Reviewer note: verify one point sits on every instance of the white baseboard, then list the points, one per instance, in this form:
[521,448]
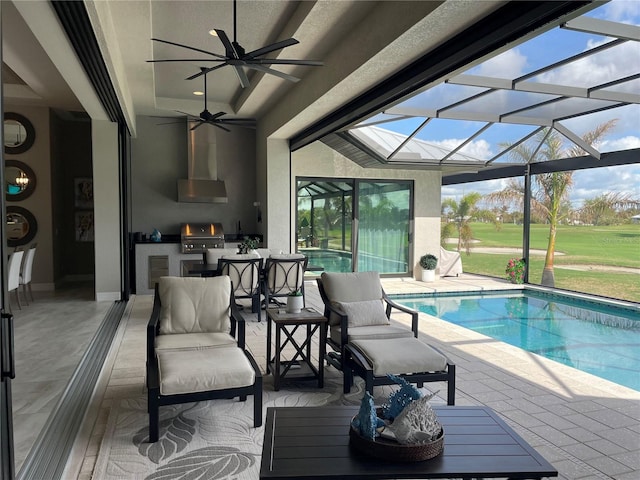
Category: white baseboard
[107,296]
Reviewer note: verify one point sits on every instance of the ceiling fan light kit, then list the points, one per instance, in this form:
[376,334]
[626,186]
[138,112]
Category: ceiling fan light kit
[236,56]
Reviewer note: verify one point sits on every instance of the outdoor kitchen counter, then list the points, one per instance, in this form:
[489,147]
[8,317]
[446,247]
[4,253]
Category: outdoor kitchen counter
[144,250]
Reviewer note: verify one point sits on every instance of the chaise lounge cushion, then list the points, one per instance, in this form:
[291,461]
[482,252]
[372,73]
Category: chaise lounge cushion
[370,332]
[400,356]
[194,305]
[202,370]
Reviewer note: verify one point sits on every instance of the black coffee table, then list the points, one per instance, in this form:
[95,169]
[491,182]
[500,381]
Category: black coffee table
[313,442]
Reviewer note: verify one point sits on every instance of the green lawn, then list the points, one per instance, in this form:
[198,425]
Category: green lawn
[587,250]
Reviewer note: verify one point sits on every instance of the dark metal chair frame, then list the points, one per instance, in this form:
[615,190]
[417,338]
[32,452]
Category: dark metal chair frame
[156,399]
[241,266]
[290,267]
[350,360]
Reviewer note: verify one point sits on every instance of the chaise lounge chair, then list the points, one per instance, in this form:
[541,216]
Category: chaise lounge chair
[366,343]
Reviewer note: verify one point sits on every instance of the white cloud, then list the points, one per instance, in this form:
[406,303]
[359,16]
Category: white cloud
[615,62]
[480,149]
[624,143]
[509,64]
[626,11]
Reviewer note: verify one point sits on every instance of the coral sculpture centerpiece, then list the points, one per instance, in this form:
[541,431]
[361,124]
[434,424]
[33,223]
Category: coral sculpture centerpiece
[406,428]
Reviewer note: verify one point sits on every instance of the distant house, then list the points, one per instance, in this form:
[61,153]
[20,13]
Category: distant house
[635,219]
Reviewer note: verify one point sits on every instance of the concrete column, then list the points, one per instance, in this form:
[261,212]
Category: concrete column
[106,192]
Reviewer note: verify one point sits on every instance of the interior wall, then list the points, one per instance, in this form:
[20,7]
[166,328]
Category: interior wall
[70,160]
[318,160]
[38,157]
[159,157]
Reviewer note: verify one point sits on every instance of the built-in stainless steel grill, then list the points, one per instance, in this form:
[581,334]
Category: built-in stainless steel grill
[197,237]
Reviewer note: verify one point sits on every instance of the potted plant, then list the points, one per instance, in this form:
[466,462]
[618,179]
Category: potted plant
[248,244]
[295,301]
[428,262]
[515,270]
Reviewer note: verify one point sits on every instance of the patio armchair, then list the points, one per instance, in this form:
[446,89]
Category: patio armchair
[245,272]
[366,343]
[283,274]
[196,347]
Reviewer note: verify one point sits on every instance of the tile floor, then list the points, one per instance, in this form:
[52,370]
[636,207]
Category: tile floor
[587,427]
[51,335]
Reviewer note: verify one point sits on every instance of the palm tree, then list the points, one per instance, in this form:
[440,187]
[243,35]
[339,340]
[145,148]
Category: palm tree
[551,190]
[602,209]
[461,213]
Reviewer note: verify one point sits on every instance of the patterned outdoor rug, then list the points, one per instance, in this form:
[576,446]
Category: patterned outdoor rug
[205,440]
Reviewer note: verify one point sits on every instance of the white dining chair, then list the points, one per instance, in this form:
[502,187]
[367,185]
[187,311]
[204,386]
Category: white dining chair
[13,277]
[26,270]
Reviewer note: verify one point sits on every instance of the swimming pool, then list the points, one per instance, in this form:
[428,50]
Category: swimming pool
[594,337]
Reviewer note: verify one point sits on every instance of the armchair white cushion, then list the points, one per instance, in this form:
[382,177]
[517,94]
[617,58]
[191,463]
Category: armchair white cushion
[203,370]
[363,313]
[267,252]
[194,305]
[284,274]
[185,341]
[352,287]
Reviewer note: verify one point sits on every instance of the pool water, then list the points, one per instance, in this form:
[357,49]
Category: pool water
[594,337]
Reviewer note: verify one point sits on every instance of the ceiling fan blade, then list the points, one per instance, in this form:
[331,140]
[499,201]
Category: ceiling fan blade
[187,114]
[217,115]
[205,71]
[241,123]
[278,61]
[188,47]
[238,121]
[230,50]
[242,76]
[216,124]
[262,68]
[270,48]
[187,60]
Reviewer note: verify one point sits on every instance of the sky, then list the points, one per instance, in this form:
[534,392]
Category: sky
[550,47]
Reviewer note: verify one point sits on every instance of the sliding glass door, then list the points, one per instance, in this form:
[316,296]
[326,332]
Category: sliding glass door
[346,225]
[384,218]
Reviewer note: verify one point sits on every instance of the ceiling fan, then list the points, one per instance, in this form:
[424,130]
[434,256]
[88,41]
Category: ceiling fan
[214,118]
[236,57]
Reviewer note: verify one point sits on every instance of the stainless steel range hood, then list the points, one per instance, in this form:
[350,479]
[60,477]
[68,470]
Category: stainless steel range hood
[202,184]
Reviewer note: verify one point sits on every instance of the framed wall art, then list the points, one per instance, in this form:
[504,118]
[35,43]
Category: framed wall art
[83,192]
[84,226]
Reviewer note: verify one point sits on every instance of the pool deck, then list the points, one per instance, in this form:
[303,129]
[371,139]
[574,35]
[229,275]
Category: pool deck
[587,427]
